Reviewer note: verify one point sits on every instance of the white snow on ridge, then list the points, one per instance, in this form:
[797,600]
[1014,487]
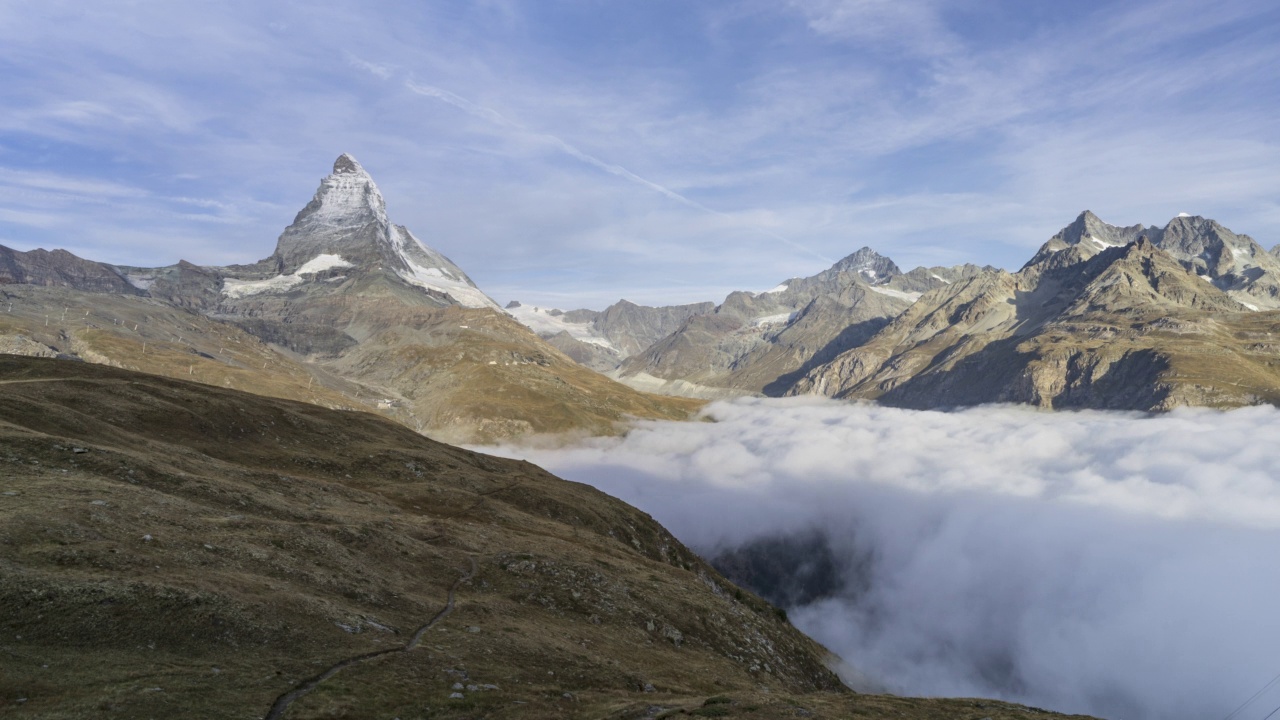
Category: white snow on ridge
[778,289]
[1104,243]
[936,276]
[433,277]
[463,293]
[542,322]
[908,296]
[1184,214]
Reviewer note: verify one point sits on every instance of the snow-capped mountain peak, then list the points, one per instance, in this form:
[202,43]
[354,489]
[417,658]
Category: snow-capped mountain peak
[347,196]
[347,219]
[871,265]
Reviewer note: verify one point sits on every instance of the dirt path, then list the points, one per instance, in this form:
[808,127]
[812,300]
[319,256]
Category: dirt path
[282,703]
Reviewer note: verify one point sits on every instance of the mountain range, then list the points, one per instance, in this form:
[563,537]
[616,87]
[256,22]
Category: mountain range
[350,310]
[208,516]
[354,311]
[1137,318]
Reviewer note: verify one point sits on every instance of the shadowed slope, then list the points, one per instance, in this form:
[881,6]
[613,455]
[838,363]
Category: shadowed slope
[169,549]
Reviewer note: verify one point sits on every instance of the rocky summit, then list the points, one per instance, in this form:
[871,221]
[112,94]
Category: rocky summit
[361,312]
[1102,317]
[752,342]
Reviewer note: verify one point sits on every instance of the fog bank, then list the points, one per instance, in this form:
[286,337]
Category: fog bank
[1106,563]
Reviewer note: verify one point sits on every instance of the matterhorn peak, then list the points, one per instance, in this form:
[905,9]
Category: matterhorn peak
[345,226]
[346,164]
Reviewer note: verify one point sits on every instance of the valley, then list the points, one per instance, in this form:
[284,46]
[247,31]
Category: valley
[221,493]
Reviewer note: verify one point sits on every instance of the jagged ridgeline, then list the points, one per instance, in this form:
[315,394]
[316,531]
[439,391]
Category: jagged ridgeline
[1102,317]
[354,311]
[350,311]
[751,343]
[1139,318]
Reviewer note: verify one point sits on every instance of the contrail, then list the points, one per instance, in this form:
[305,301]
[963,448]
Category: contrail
[497,118]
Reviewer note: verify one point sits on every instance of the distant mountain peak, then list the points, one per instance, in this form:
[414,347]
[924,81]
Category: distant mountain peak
[871,265]
[345,228]
[1091,234]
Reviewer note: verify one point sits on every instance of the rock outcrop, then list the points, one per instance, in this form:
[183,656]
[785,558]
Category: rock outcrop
[1102,317]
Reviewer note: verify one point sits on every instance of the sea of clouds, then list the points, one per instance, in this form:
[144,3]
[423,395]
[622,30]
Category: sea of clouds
[1106,563]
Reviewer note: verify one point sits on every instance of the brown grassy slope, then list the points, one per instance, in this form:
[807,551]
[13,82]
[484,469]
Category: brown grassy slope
[169,549]
[456,374]
[477,375]
[151,336]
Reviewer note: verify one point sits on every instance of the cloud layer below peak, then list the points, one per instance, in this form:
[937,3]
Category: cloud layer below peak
[1107,563]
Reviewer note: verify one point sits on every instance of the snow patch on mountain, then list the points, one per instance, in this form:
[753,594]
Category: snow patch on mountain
[240,288]
[434,278]
[773,319]
[322,262]
[140,281]
[1104,243]
[280,283]
[428,269]
[780,288]
[548,321]
[908,296]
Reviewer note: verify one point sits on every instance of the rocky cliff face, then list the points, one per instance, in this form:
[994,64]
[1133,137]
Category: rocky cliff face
[632,328]
[1095,320]
[762,342]
[59,268]
[1235,264]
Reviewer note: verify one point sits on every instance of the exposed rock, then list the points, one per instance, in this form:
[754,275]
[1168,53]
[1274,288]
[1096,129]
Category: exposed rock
[59,268]
[763,342]
[597,357]
[1125,326]
[632,328]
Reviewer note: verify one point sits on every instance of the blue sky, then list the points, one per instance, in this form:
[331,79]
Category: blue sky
[571,152]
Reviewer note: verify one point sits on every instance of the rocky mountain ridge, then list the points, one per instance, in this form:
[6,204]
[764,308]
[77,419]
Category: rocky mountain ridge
[752,342]
[366,307]
[1136,317]
[1101,317]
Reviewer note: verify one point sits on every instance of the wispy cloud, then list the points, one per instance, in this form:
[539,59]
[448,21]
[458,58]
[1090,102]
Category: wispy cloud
[560,144]
[913,26]
[802,130]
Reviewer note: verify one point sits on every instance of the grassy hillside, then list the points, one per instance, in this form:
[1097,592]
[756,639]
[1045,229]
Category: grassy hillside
[171,549]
